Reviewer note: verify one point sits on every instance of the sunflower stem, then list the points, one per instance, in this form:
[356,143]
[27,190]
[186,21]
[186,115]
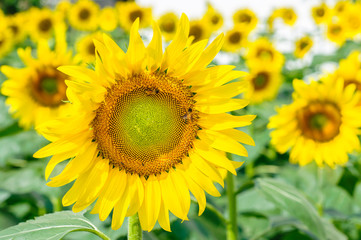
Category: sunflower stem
[134,228]
[232,208]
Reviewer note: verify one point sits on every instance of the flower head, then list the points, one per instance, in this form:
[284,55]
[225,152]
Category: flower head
[149,128]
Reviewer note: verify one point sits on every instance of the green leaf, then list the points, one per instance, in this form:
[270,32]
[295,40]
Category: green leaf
[51,227]
[291,200]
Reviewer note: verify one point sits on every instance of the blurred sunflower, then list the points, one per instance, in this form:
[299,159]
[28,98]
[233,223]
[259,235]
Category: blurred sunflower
[6,42]
[63,8]
[148,128]
[130,11]
[262,52]
[341,6]
[36,93]
[83,15]
[108,19]
[16,25]
[303,46]
[336,32]
[349,71]
[168,25]
[199,30]
[321,13]
[235,39]
[321,124]
[263,84]
[288,16]
[352,20]
[42,24]
[85,48]
[245,18]
[213,18]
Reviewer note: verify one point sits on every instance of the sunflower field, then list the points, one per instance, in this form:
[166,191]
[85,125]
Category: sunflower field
[124,120]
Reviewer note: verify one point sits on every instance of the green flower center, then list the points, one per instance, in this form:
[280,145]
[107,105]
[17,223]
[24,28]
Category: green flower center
[49,85]
[318,121]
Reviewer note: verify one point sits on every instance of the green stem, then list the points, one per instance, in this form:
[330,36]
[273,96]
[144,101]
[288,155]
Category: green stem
[232,207]
[134,228]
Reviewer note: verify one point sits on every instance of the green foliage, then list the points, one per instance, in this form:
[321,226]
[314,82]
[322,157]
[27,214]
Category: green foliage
[51,227]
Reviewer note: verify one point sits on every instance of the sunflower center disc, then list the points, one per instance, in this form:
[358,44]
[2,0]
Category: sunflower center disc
[320,121]
[146,124]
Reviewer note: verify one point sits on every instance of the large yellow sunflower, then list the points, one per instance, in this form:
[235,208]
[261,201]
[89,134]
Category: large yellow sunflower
[149,128]
[321,124]
[130,11]
[263,83]
[83,15]
[36,93]
[303,46]
[168,23]
[262,52]
[246,19]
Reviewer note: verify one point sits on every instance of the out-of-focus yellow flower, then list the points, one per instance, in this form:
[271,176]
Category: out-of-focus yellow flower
[16,25]
[85,48]
[245,18]
[321,124]
[213,18]
[302,46]
[341,6]
[336,32]
[199,30]
[83,15]
[321,13]
[6,42]
[288,16]
[263,84]
[168,25]
[42,23]
[235,39]
[351,18]
[262,52]
[130,11]
[108,19]
[349,71]
[36,93]
[63,7]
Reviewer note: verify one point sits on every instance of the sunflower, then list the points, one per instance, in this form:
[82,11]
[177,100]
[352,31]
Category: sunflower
[213,18]
[263,84]
[349,71]
[303,46]
[6,42]
[63,8]
[85,48]
[168,25]
[199,30]
[130,11]
[321,13]
[341,6]
[16,25]
[288,16]
[336,32]
[108,19]
[42,24]
[235,39]
[148,128]
[262,52]
[36,93]
[245,18]
[83,15]
[321,123]
[352,20]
